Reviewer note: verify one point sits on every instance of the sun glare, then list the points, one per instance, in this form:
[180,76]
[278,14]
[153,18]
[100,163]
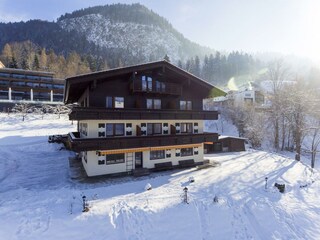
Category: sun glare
[309,31]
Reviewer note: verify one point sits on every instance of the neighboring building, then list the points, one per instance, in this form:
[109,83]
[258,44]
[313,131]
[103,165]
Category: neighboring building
[1,65]
[247,97]
[147,116]
[17,86]
[226,144]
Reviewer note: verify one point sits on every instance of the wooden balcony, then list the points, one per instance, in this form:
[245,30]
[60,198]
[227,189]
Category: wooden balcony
[78,144]
[88,113]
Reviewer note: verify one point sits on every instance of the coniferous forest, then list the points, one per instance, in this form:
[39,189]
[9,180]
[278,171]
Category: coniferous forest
[46,46]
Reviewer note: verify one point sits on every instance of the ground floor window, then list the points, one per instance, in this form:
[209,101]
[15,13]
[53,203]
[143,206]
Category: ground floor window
[158,154]
[186,152]
[115,158]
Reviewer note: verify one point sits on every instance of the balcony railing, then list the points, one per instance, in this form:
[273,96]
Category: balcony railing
[88,113]
[78,144]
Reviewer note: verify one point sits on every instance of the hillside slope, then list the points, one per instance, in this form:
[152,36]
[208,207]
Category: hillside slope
[40,201]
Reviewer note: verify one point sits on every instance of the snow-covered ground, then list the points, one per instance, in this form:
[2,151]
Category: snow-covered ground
[38,200]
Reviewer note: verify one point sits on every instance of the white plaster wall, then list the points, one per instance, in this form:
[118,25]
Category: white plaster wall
[94,169]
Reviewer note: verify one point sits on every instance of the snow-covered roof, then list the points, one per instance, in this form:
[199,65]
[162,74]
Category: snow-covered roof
[225,137]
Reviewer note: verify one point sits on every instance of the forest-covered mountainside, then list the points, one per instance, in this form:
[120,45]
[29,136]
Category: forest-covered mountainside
[113,36]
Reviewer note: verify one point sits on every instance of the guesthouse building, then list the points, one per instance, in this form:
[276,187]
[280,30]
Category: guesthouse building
[140,118]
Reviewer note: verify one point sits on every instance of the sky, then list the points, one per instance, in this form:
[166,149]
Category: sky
[284,26]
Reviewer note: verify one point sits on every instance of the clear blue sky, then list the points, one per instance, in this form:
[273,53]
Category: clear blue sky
[286,26]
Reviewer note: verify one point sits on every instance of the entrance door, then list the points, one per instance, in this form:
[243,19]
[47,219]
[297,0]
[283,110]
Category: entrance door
[138,160]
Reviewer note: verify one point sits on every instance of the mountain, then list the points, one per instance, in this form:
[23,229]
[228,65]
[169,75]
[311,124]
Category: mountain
[127,33]
[133,29]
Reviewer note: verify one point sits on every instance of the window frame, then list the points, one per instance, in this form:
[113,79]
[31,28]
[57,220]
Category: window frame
[113,100]
[153,104]
[184,152]
[153,129]
[190,125]
[114,129]
[119,160]
[186,105]
[157,154]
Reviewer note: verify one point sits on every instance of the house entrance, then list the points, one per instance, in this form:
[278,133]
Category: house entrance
[138,160]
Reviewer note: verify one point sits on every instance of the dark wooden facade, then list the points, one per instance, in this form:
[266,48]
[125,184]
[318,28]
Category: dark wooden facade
[92,144]
[88,113]
[179,85]
[226,144]
[168,83]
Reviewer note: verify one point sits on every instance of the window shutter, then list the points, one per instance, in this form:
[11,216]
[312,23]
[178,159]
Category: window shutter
[101,130]
[195,150]
[101,159]
[129,129]
[138,130]
[178,152]
[172,129]
[177,127]
[168,153]
[195,128]
[165,128]
[143,129]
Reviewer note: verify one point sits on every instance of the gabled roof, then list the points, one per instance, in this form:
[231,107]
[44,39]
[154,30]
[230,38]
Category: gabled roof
[76,85]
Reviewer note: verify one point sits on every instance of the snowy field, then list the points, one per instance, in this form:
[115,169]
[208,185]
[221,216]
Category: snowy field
[38,200]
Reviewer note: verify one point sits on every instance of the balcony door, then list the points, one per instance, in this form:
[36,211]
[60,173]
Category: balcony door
[138,160]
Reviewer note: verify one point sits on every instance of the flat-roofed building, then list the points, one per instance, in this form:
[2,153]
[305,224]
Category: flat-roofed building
[34,87]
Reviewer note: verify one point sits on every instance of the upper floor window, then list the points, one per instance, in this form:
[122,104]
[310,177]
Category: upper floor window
[144,83]
[149,83]
[153,103]
[185,105]
[114,102]
[115,129]
[154,128]
[186,127]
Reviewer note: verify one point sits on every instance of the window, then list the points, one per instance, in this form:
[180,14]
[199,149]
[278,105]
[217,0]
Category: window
[154,128]
[158,86]
[119,102]
[109,102]
[114,129]
[186,152]
[149,83]
[144,83]
[186,127]
[114,102]
[185,105]
[158,154]
[153,103]
[115,158]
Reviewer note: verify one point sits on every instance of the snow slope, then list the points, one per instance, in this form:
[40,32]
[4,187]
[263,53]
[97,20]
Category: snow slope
[40,201]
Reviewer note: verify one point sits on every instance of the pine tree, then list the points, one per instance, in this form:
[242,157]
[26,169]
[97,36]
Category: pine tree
[13,63]
[35,64]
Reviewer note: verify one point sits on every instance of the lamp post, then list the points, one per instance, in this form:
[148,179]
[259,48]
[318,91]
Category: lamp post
[84,204]
[266,185]
[185,199]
